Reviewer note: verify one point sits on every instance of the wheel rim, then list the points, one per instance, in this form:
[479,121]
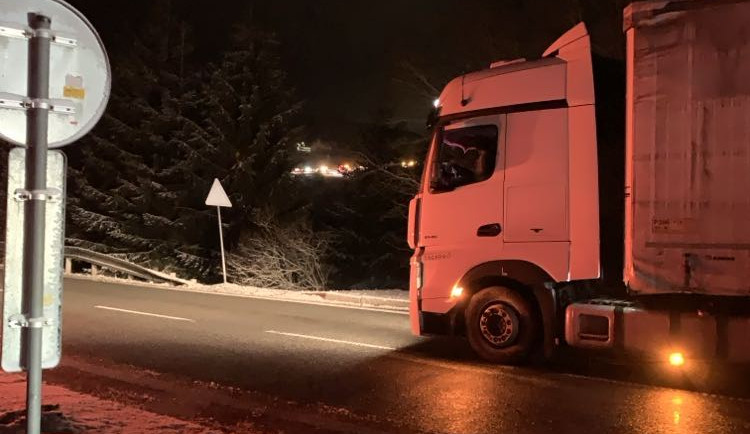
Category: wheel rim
[499,324]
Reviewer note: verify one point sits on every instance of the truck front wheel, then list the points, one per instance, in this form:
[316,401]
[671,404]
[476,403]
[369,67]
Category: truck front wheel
[500,325]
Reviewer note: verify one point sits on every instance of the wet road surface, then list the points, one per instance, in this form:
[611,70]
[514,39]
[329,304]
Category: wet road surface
[334,369]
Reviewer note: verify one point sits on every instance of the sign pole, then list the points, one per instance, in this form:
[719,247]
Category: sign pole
[31,305]
[34,213]
[221,242]
[218,197]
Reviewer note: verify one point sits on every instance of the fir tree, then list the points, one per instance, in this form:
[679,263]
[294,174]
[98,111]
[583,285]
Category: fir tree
[139,182]
[368,211]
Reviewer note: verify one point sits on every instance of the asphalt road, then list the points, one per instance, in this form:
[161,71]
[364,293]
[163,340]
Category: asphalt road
[345,369]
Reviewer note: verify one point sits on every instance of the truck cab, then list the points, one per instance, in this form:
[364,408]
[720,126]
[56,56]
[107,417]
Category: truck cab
[506,225]
[509,199]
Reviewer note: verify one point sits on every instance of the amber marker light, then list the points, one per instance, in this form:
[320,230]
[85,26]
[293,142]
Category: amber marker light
[676,359]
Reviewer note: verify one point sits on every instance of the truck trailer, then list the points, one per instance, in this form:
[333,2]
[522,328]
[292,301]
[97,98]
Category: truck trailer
[513,228]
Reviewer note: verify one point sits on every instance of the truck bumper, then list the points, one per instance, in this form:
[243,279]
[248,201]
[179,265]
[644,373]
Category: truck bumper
[658,333]
[437,324]
[415,293]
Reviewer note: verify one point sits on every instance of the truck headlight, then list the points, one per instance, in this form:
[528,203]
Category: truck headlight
[457,291]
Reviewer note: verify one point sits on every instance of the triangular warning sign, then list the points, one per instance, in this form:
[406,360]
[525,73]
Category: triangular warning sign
[217,196]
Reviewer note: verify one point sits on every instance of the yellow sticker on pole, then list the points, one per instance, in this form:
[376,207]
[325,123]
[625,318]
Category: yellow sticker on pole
[74,92]
[74,87]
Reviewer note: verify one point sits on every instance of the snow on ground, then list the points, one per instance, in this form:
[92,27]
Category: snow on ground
[66,411]
[398,294]
[385,299]
[394,299]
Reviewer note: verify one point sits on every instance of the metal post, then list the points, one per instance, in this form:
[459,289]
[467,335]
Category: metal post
[221,242]
[34,212]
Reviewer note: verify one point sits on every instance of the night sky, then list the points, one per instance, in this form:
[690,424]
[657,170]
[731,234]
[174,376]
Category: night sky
[350,60]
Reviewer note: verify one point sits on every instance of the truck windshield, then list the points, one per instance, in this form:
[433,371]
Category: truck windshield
[464,156]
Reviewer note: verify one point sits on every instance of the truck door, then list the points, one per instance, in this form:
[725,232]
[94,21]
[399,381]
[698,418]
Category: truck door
[461,206]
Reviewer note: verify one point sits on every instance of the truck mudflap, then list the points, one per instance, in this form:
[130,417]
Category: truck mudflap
[658,334]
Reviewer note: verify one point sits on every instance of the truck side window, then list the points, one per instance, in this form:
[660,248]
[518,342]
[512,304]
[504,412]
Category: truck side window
[465,156]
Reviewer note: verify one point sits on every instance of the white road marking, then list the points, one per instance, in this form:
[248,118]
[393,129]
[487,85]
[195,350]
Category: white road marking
[259,297]
[314,303]
[117,309]
[335,341]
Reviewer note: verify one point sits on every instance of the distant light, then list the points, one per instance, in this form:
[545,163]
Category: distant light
[457,291]
[301,147]
[677,400]
[308,169]
[436,103]
[323,168]
[345,168]
[411,163]
[676,359]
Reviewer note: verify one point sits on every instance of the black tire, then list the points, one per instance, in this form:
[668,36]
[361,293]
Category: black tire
[501,326]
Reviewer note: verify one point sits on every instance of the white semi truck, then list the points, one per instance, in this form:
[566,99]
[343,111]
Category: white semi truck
[506,225]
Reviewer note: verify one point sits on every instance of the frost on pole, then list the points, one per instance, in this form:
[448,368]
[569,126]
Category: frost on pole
[53,261]
[79,80]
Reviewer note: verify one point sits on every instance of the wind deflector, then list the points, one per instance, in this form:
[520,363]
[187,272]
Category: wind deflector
[569,37]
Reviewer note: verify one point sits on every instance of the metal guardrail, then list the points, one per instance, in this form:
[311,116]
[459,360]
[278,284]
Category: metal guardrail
[102,260]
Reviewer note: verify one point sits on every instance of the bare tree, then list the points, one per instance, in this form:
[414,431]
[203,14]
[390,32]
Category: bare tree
[418,81]
[399,181]
[281,255]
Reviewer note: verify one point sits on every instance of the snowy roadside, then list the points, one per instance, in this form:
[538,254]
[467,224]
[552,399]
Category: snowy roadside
[66,411]
[387,299]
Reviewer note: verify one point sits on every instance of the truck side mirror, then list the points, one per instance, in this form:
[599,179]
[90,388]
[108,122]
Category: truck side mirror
[433,118]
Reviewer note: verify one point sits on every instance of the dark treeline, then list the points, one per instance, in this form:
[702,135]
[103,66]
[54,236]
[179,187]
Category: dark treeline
[203,91]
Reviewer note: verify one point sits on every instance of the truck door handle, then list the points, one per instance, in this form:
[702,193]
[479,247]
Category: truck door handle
[490,230]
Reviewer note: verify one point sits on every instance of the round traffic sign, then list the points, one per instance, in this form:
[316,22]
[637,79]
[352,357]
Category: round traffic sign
[80,77]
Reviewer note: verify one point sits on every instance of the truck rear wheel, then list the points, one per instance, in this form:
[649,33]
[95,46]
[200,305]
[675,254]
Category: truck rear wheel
[500,325]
